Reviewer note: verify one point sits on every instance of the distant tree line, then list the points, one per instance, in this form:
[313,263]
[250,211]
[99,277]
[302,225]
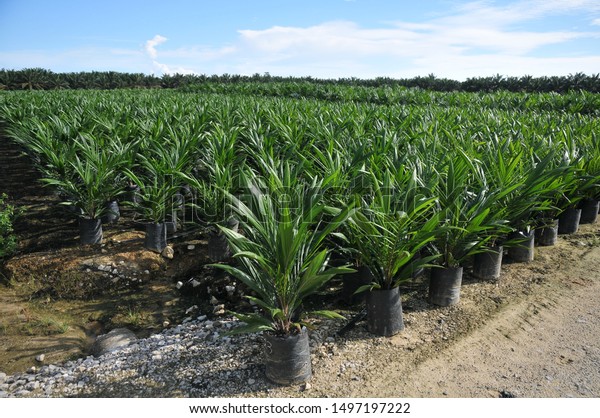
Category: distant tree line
[42,79]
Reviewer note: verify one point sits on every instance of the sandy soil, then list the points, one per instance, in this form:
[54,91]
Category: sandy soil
[545,346]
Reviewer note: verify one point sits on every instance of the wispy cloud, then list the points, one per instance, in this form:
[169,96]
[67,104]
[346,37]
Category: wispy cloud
[160,66]
[476,38]
[151,45]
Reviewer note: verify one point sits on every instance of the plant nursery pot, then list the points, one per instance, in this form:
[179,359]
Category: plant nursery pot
[188,211]
[218,247]
[90,231]
[384,312]
[287,359]
[132,194]
[352,281]
[176,211]
[171,227]
[568,221]
[589,211]
[112,213]
[419,271]
[172,223]
[486,265]
[156,237]
[444,286]
[524,251]
[547,235]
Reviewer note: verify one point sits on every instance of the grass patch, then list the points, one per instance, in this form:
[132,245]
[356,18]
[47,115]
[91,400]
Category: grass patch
[131,316]
[44,324]
[593,241]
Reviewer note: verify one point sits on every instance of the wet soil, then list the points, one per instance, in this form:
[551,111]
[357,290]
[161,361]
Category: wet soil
[56,296]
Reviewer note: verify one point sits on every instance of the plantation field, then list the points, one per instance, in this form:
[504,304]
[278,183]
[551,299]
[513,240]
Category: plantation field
[403,181]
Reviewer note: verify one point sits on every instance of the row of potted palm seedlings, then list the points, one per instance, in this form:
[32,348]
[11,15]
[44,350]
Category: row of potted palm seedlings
[84,169]
[395,218]
[389,187]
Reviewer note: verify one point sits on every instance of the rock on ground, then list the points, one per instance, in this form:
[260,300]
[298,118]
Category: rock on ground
[115,339]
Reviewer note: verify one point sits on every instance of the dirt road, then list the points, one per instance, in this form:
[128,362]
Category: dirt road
[548,347]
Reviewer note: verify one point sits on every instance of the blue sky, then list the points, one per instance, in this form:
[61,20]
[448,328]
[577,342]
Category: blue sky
[319,38]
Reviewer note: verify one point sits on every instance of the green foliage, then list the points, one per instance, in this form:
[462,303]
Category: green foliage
[466,223]
[491,162]
[8,241]
[374,90]
[281,255]
[91,175]
[394,223]
[158,173]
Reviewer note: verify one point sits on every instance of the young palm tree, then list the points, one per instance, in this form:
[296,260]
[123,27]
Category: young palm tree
[158,176]
[281,256]
[394,223]
[89,181]
[464,228]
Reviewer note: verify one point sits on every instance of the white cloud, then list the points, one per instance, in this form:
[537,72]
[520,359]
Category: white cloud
[151,45]
[160,66]
[477,38]
[474,39]
[166,69]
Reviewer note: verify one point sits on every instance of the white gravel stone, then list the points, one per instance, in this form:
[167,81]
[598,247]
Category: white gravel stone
[193,359]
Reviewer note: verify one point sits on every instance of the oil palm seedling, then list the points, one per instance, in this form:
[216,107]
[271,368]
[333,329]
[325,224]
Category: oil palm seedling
[463,229]
[393,224]
[88,180]
[282,259]
[584,156]
[8,240]
[158,178]
[524,181]
[487,263]
[215,176]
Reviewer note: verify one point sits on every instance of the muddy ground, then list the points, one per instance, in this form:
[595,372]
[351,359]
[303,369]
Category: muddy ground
[533,333]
